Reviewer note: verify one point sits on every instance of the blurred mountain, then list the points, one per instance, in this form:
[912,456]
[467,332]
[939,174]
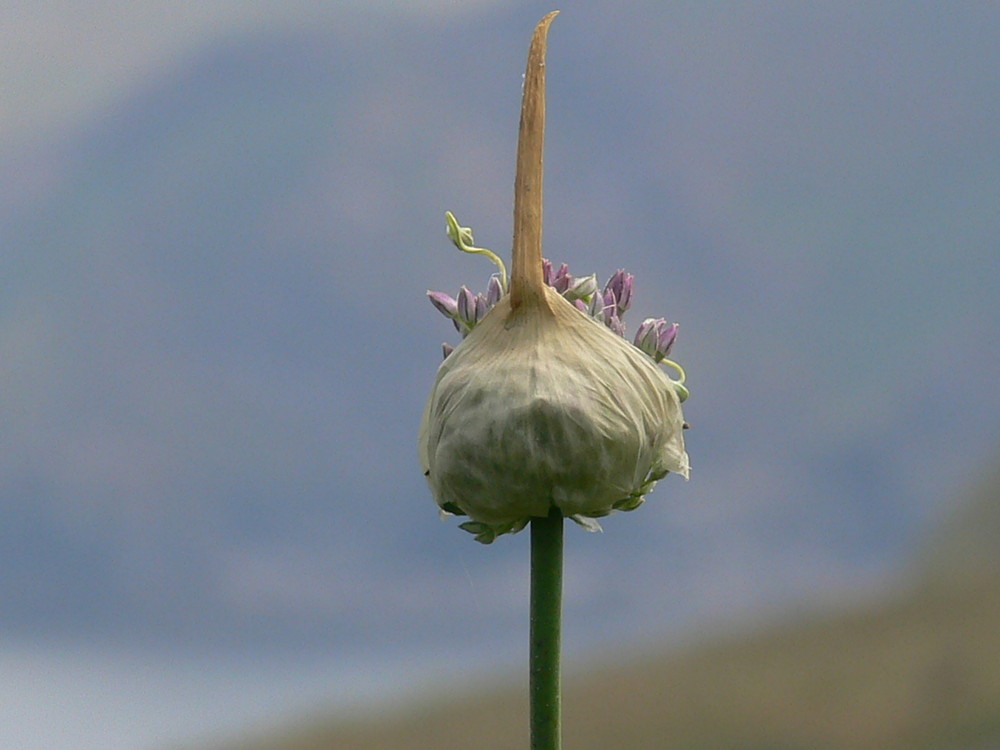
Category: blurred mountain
[907,670]
[966,544]
[917,674]
[214,347]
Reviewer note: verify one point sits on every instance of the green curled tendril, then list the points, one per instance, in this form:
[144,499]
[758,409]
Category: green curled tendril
[682,391]
[462,239]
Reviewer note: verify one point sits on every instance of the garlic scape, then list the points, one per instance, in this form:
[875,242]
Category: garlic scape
[543,403]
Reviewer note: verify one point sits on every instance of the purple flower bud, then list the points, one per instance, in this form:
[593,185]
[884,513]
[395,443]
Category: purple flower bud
[603,307]
[665,340]
[547,276]
[482,307]
[655,337]
[445,304]
[466,304]
[447,349]
[610,301]
[621,285]
[581,305]
[562,280]
[615,323]
[645,337]
[493,291]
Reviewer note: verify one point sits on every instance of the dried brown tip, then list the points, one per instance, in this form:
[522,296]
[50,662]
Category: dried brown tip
[526,283]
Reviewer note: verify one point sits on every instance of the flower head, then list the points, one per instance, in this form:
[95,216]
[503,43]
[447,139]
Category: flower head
[544,402]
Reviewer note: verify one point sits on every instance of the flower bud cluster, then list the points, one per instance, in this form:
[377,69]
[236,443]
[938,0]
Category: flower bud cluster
[655,336]
[467,308]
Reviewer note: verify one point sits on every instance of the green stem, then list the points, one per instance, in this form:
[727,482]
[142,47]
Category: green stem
[546,625]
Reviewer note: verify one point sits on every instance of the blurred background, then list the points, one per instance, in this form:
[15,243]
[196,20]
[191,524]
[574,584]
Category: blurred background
[217,224]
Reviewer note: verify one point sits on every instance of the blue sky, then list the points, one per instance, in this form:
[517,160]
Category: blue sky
[219,228]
